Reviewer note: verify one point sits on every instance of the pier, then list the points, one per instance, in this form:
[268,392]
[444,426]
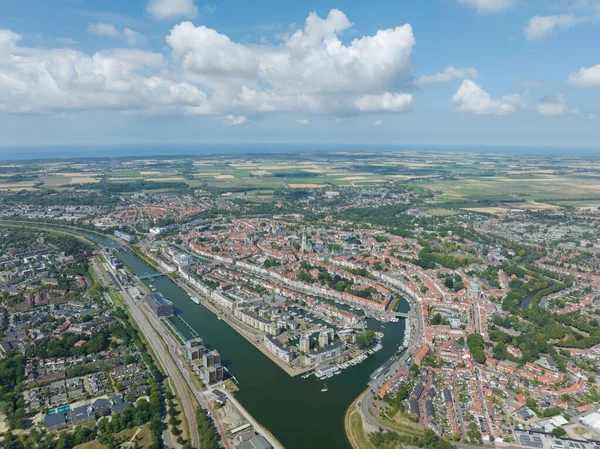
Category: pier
[193,333]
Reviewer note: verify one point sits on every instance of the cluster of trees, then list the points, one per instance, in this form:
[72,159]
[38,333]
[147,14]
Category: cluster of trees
[541,330]
[391,440]
[473,433]
[24,237]
[144,411]
[437,319]
[429,259]
[128,418]
[366,293]
[336,281]
[306,277]
[135,186]
[210,283]
[490,274]
[476,345]
[366,339]
[206,432]
[388,215]
[12,371]
[452,282]
[53,197]
[41,440]
[270,262]
[382,238]
[65,347]
[173,421]
[358,272]
[395,401]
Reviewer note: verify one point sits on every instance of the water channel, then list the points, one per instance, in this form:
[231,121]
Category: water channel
[293,409]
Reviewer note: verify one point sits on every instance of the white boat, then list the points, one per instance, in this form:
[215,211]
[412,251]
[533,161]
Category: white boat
[324,389]
[195,300]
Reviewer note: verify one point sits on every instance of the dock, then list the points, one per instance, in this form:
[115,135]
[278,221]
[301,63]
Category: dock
[193,333]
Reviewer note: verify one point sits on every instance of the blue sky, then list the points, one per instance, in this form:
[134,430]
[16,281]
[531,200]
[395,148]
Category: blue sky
[459,72]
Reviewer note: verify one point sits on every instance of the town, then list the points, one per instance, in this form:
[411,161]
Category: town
[473,324]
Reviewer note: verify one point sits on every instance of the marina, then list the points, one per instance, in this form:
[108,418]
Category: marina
[266,391]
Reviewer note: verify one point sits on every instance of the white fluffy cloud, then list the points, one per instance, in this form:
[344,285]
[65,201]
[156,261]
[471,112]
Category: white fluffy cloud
[384,103]
[302,121]
[449,74]
[103,29]
[235,119]
[586,77]
[59,80]
[131,37]
[471,97]
[311,71]
[489,6]
[540,27]
[206,52]
[171,9]
[552,105]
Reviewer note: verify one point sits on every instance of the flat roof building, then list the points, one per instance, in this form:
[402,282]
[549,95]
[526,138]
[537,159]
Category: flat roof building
[256,442]
[56,421]
[159,305]
[322,354]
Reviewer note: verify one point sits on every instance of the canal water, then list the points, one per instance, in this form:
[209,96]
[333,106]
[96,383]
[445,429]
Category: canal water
[295,410]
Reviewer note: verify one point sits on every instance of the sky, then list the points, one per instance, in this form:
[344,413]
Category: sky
[403,72]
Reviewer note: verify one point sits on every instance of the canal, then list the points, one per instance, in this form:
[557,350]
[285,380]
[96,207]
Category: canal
[295,410]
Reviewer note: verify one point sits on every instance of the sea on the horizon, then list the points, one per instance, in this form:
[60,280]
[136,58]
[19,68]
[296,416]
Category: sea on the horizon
[21,153]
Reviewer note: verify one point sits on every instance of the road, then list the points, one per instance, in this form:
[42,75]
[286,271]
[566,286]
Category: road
[185,372]
[166,361]
[365,399]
